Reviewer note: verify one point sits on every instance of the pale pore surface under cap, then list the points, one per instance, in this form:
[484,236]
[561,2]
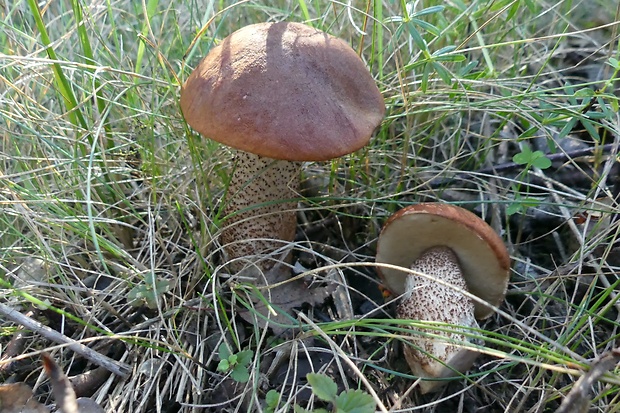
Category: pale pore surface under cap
[427,300]
[481,252]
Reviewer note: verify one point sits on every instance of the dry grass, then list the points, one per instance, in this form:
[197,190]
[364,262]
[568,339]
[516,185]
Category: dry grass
[109,202]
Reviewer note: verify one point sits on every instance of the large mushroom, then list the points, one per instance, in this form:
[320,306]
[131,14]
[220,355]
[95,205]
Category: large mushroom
[456,247]
[279,93]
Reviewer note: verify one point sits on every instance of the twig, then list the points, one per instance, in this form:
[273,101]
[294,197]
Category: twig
[114,366]
[578,399]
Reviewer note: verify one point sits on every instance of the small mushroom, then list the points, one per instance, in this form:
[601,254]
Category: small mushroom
[279,93]
[455,246]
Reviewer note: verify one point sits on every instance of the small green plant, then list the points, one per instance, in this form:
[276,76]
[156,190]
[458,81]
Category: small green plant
[272,399]
[237,364]
[148,292]
[416,23]
[530,159]
[348,401]
[520,204]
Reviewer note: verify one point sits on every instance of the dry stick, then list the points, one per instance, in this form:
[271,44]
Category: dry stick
[120,369]
[578,399]
[561,156]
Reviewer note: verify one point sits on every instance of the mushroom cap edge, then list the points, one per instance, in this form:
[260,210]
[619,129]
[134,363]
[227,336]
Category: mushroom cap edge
[482,253]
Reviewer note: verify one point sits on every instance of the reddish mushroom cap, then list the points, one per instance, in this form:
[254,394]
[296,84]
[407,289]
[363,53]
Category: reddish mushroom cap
[483,257]
[284,91]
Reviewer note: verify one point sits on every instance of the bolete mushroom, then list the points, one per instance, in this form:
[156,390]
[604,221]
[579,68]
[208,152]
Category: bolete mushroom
[455,246]
[279,93]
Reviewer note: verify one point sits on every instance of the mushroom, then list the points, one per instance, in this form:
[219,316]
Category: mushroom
[279,93]
[455,246]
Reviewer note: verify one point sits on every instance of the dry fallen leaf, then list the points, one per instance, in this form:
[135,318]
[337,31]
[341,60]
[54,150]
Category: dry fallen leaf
[281,295]
[61,387]
[64,394]
[18,398]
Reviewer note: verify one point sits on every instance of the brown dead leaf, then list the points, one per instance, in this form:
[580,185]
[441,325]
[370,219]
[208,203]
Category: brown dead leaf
[61,387]
[280,295]
[64,394]
[18,398]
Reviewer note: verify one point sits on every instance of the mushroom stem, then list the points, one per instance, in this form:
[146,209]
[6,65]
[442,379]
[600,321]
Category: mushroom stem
[427,300]
[261,217]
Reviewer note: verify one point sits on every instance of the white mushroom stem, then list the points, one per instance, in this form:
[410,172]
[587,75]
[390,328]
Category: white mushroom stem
[427,300]
[261,216]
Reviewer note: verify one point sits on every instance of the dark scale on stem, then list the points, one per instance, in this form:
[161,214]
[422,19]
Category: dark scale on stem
[262,217]
[427,300]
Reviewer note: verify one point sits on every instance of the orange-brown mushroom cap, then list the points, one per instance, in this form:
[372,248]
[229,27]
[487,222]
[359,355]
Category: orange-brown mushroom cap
[284,91]
[483,257]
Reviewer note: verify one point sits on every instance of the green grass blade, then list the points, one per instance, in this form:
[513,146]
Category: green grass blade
[88,53]
[62,83]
